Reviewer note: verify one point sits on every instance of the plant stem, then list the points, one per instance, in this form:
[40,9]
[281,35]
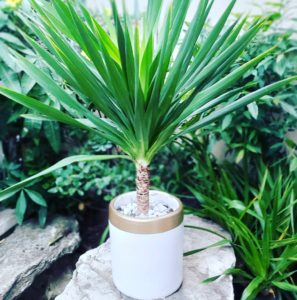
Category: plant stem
[142,187]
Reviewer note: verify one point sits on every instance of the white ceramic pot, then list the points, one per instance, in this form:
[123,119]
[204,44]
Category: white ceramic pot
[147,254]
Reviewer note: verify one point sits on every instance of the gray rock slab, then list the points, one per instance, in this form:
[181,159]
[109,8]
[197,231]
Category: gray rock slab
[7,220]
[92,278]
[30,250]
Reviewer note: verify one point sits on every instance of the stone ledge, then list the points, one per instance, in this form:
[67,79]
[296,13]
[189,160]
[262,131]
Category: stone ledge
[7,221]
[30,250]
[92,278]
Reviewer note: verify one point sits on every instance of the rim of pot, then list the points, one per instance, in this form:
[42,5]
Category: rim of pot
[147,225]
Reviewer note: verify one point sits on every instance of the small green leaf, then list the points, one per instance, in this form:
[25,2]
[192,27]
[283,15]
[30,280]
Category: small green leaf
[253,109]
[239,156]
[231,271]
[52,133]
[220,243]
[205,229]
[11,39]
[226,121]
[254,287]
[293,164]
[36,197]
[27,83]
[254,149]
[21,207]
[290,143]
[289,109]
[280,65]
[42,215]
[104,235]
[285,286]
[211,279]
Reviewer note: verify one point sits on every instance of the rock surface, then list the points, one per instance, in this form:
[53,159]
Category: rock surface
[30,250]
[92,278]
[7,220]
[58,283]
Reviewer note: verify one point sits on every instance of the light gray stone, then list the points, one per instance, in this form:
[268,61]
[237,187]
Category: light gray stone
[92,278]
[7,220]
[29,250]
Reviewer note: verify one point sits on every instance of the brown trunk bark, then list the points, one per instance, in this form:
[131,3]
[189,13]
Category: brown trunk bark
[142,187]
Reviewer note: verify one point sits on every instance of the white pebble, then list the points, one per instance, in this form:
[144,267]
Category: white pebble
[156,209]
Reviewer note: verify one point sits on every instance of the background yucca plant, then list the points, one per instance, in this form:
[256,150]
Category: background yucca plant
[141,84]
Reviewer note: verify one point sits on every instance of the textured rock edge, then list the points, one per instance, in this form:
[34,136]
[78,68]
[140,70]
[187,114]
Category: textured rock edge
[24,280]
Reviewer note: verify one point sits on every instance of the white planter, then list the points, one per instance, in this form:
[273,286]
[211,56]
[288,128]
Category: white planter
[147,254]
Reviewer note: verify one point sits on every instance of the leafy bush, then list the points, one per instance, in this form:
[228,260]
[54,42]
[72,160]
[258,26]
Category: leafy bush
[29,200]
[261,130]
[12,76]
[19,153]
[110,178]
[94,179]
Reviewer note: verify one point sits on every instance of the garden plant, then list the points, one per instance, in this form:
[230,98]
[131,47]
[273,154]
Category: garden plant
[141,83]
[263,227]
[134,90]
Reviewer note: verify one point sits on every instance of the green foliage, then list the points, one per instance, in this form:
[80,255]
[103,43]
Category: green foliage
[110,178]
[28,200]
[263,228]
[133,91]
[128,87]
[261,130]
[12,76]
[15,179]
[143,93]
[10,191]
[101,179]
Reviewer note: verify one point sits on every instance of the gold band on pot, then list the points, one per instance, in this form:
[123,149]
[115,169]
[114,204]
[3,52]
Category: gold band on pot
[149,225]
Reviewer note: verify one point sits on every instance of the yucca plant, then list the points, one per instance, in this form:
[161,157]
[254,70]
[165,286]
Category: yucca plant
[141,84]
